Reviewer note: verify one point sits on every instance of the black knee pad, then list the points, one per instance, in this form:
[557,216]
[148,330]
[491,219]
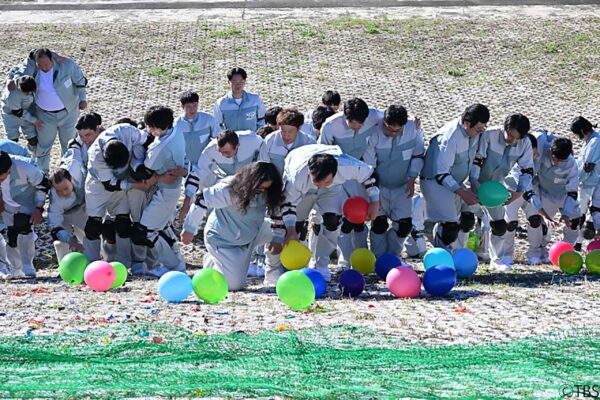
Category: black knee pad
[499,227]
[404,227]
[380,225]
[22,224]
[302,229]
[588,232]
[575,223]
[93,228]
[108,232]
[544,229]
[316,228]
[467,221]
[123,226]
[12,236]
[358,227]
[449,232]
[535,221]
[511,226]
[347,226]
[331,221]
[139,235]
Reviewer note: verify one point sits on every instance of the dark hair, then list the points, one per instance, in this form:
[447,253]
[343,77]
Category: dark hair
[321,166]
[41,52]
[116,154]
[160,117]
[227,136]
[290,116]
[5,162]
[132,122]
[475,114]
[59,175]
[519,122]
[532,139]
[189,97]
[89,121]
[245,183]
[271,115]
[319,116]
[356,110]
[395,115]
[236,71]
[27,84]
[580,126]
[264,131]
[331,98]
[561,148]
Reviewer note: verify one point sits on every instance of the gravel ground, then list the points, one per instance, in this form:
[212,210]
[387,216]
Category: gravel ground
[544,66]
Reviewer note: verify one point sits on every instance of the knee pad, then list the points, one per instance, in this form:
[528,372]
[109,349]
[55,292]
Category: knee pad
[316,228]
[12,236]
[302,230]
[449,232]
[511,226]
[499,227]
[109,234]
[22,224]
[404,227]
[544,229]
[594,209]
[588,232]
[331,221]
[123,226]
[467,221]
[535,221]
[380,225]
[93,228]
[347,226]
[139,235]
[575,222]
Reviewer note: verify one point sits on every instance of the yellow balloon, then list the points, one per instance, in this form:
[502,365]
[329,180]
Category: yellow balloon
[363,260]
[295,255]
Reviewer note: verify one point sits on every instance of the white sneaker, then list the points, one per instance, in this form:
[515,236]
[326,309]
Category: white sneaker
[158,271]
[4,271]
[139,268]
[16,273]
[500,266]
[325,272]
[271,277]
[29,270]
[534,261]
[252,270]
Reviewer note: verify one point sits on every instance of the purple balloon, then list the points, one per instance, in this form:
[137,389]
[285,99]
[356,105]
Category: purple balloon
[352,283]
[439,280]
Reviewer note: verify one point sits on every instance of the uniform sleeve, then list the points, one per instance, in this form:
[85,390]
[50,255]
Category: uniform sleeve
[571,204]
[292,194]
[370,155]
[218,117]
[363,173]
[260,114]
[137,147]
[26,106]
[37,178]
[56,220]
[79,80]
[26,68]
[445,161]
[480,156]
[263,153]
[418,158]
[525,163]
[325,136]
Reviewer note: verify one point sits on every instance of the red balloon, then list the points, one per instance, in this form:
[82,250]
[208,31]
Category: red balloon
[557,249]
[594,245]
[356,210]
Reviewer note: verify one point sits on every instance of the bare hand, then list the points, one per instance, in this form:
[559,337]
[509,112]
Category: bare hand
[410,188]
[36,216]
[513,196]
[82,105]
[185,208]
[291,235]
[549,221]
[468,197]
[74,244]
[168,178]
[10,85]
[275,248]
[1,204]
[38,124]
[418,123]
[186,237]
[179,172]
[565,220]
[373,210]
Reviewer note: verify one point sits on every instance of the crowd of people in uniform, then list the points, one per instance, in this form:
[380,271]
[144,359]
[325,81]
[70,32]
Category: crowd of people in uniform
[255,178]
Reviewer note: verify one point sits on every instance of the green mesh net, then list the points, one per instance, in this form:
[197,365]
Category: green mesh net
[325,363]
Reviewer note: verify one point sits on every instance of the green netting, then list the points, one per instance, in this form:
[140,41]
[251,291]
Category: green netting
[326,363]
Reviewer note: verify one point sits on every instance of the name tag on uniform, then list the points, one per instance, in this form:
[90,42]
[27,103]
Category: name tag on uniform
[250,115]
[407,154]
[67,83]
[559,180]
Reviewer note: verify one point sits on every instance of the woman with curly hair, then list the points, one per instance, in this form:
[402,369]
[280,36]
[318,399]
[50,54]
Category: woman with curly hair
[239,221]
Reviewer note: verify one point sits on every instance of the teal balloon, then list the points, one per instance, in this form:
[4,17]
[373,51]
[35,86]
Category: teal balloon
[492,194]
[437,256]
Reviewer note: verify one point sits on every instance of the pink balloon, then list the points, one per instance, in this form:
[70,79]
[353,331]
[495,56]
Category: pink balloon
[557,249]
[593,245]
[403,282]
[99,276]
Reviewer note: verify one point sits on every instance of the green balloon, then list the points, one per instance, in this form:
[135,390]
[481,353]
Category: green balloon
[120,274]
[71,268]
[210,285]
[592,262]
[296,290]
[570,262]
[492,194]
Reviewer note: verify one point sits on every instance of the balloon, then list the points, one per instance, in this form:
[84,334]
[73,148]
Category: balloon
[295,255]
[174,286]
[592,262]
[593,245]
[403,282]
[120,274]
[356,209]
[72,267]
[557,249]
[296,290]
[473,241]
[385,263]
[317,280]
[492,194]
[99,276]
[439,280]
[363,260]
[437,256]
[210,285]
[351,283]
[570,262]
[465,262]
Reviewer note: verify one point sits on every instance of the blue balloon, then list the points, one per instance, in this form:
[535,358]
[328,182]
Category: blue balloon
[465,262]
[175,286]
[439,280]
[437,256]
[317,280]
[385,263]
[352,283]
